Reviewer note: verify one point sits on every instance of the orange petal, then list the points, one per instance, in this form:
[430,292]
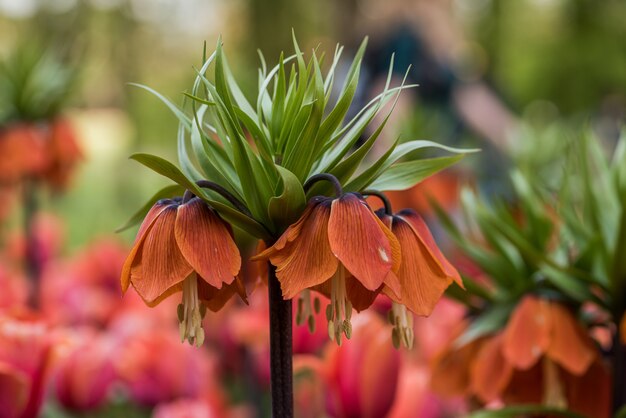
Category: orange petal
[527,334]
[162,264]
[525,386]
[290,234]
[570,346]
[307,260]
[422,278]
[450,371]
[590,394]
[206,243]
[358,241]
[146,225]
[422,231]
[214,298]
[392,283]
[490,372]
[360,297]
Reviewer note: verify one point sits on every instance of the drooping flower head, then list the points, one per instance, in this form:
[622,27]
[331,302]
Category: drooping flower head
[183,245]
[543,356]
[424,272]
[341,249]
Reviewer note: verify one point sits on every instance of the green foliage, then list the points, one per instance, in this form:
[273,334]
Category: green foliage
[564,239]
[263,151]
[33,85]
[524,410]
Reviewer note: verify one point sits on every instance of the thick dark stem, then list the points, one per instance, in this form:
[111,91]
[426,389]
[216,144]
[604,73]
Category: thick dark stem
[327,177]
[280,349]
[205,184]
[33,267]
[618,354]
[382,197]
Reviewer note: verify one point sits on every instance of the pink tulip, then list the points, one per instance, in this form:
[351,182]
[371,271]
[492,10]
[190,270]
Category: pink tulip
[361,376]
[86,375]
[155,367]
[26,354]
[85,289]
[14,287]
[415,399]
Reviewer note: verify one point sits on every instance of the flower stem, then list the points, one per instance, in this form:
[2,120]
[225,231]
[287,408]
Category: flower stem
[281,367]
[327,177]
[618,356]
[382,197]
[33,267]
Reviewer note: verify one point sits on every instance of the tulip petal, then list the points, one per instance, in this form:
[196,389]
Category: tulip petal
[422,231]
[307,260]
[162,264]
[490,372]
[358,241]
[569,346]
[14,391]
[527,334]
[145,227]
[422,278]
[206,243]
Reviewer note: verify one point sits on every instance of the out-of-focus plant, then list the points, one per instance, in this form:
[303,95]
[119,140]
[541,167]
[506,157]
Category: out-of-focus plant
[252,167]
[552,265]
[37,142]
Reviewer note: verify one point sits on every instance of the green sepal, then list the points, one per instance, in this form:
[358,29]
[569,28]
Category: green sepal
[488,323]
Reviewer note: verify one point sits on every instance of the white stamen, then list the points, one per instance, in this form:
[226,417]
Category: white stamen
[339,311]
[402,321]
[189,313]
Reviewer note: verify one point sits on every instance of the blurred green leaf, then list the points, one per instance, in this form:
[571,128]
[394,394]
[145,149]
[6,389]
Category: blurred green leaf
[404,175]
[524,410]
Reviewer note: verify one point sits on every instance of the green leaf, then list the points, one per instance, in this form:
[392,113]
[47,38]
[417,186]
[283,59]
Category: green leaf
[524,410]
[232,215]
[404,175]
[175,109]
[285,208]
[336,116]
[169,191]
[489,322]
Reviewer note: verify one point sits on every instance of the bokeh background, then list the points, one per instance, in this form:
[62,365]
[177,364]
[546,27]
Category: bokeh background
[492,74]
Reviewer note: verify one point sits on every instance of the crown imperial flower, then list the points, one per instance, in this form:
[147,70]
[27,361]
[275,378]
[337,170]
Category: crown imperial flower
[341,249]
[184,246]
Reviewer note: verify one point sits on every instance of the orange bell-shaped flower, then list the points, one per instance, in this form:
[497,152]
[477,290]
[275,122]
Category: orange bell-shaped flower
[184,246]
[341,249]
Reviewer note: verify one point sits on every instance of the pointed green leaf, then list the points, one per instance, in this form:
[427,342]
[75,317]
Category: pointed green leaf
[402,176]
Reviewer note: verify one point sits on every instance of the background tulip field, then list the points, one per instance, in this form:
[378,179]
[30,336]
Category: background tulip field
[534,222]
